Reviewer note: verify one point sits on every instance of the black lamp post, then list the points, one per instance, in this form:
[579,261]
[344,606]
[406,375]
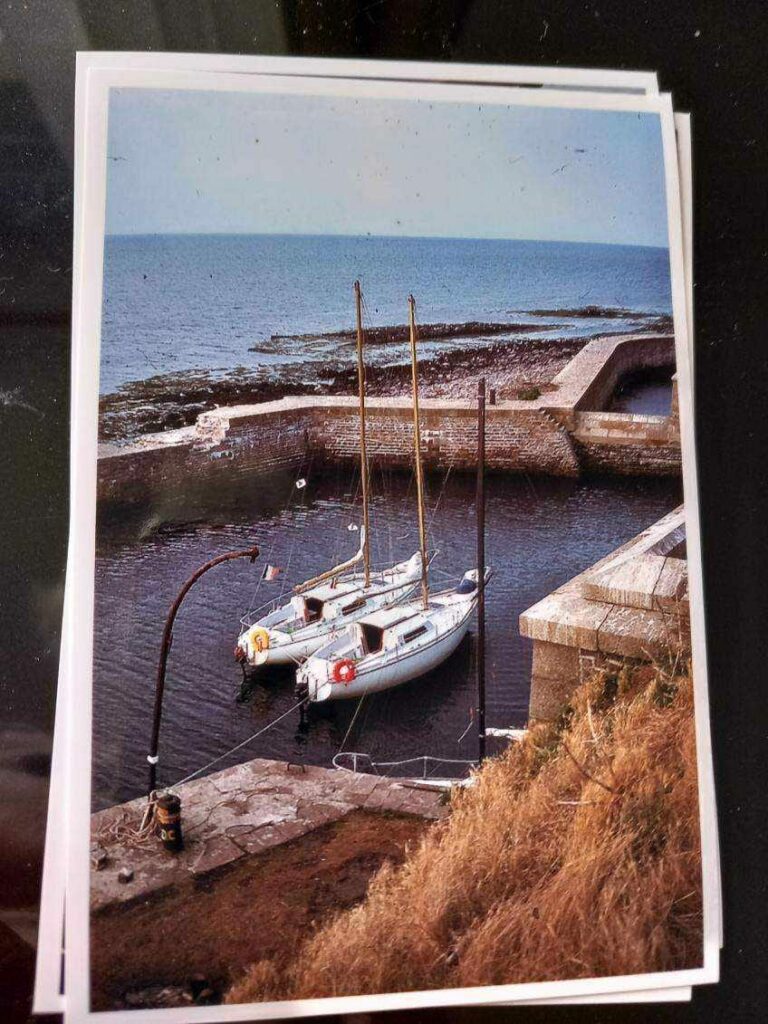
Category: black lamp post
[152,757]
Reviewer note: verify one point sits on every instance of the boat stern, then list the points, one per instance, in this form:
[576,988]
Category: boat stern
[329,673]
[258,645]
[313,681]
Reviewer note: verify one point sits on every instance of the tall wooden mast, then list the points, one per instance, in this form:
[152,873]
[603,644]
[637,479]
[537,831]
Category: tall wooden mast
[417,452]
[480,513]
[364,476]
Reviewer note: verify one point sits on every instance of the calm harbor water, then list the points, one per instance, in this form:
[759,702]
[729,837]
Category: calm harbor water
[646,397]
[540,532]
[202,302]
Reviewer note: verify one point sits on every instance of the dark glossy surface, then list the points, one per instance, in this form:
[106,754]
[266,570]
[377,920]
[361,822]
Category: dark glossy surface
[646,398]
[712,55]
[540,532]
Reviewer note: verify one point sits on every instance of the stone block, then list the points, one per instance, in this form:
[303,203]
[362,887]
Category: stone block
[564,618]
[637,633]
[386,798]
[261,839]
[632,582]
[356,787]
[215,853]
[317,813]
[555,674]
[422,802]
[555,661]
[672,585]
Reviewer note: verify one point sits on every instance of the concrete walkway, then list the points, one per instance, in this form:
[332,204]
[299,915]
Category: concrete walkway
[239,811]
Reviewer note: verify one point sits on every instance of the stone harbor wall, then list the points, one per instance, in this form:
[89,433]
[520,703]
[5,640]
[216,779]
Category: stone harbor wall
[590,379]
[627,443]
[518,438]
[561,433]
[225,444]
[633,604]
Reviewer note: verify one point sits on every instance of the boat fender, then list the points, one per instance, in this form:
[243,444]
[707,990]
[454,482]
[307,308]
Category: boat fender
[258,638]
[344,671]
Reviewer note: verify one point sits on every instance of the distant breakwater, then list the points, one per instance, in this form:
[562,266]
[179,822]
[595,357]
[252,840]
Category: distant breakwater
[168,401]
[399,333]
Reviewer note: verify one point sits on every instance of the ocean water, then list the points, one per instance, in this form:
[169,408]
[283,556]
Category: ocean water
[540,533]
[174,303]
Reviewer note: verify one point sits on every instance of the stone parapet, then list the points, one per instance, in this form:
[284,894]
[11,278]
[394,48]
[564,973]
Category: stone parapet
[557,434]
[591,377]
[633,604]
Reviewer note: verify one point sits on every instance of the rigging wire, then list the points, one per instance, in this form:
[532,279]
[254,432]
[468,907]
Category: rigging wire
[239,746]
[273,542]
[294,533]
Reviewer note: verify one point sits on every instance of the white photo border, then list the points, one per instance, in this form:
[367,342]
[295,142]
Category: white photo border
[84,414]
[48,996]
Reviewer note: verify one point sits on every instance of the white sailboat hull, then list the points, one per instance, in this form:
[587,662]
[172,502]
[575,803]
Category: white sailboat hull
[395,673]
[293,651]
[280,638]
[390,647]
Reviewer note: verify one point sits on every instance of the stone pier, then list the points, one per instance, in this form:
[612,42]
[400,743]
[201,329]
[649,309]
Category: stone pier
[234,813]
[564,432]
[633,604]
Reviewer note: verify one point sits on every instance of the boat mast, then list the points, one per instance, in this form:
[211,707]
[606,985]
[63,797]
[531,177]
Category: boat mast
[417,452]
[480,511]
[364,476]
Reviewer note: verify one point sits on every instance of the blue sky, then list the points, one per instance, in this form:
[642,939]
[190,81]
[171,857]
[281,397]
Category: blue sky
[268,163]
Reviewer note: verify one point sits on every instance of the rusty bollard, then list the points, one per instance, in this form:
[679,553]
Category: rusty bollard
[168,818]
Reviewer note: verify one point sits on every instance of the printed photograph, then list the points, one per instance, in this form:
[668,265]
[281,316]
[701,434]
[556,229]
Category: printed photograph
[392,685]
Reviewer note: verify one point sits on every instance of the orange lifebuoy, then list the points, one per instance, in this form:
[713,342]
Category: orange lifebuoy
[344,671]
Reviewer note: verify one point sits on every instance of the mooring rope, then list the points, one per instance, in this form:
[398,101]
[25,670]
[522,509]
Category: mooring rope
[239,746]
[354,719]
[122,832]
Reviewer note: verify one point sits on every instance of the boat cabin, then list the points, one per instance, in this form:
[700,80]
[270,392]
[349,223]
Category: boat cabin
[391,628]
[327,603]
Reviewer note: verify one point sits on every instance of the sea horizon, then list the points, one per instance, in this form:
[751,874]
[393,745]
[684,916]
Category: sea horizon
[371,235]
[216,302]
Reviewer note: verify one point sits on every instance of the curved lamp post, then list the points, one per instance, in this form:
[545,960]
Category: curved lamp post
[152,757]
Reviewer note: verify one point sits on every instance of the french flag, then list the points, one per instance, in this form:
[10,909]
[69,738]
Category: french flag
[271,572]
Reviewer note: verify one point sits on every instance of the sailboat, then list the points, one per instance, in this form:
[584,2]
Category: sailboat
[322,607]
[390,646]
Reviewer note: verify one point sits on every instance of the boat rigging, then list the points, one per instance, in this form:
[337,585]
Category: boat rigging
[323,606]
[394,645]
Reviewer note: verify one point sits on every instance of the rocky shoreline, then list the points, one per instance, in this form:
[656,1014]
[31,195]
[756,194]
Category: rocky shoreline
[598,313]
[400,333]
[516,367]
[168,401]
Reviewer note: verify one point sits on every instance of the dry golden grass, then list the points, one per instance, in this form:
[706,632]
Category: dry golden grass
[575,854]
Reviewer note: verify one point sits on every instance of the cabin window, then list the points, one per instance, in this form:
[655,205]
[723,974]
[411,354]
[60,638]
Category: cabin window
[373,637]
[354,606]
[313,609]
[414,633]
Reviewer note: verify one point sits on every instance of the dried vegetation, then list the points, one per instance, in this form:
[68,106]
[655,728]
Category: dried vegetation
[575,854]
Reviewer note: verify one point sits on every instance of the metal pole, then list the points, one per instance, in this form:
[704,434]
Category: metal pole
[480,509]
[152,757]
[363,453]
[417,453]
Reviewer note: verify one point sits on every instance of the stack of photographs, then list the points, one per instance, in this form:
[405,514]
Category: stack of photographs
[383,678]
